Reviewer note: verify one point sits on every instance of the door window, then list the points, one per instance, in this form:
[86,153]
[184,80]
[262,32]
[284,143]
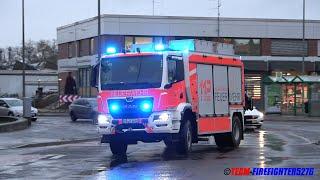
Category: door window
[3,104]
[175,70]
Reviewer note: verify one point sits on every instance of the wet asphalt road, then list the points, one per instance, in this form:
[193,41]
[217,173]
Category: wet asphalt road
[277,144]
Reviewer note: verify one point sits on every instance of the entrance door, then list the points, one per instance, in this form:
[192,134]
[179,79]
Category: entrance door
[294,98]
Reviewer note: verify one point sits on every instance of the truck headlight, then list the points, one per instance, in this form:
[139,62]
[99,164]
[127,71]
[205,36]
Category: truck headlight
[103,119]
[164,116]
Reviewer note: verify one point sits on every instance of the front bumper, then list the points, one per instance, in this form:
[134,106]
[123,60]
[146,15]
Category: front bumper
[253,122]
[132,137]
[147,125]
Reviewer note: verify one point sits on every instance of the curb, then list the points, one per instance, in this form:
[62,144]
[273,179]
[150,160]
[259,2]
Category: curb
[53,114]
[54,143]
[18,124]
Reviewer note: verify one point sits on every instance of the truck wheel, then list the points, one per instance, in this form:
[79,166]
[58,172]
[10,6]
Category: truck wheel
[118,148]
[258,127]
[185,141]
[232,139]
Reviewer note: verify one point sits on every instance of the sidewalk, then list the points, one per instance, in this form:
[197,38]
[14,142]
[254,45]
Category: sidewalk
[276,117]
[48,131]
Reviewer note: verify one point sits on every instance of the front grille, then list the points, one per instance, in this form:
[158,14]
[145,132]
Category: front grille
[128,126]
[250,117]
[129,108]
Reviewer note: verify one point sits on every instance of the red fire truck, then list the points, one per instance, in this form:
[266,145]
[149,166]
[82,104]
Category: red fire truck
[180,94]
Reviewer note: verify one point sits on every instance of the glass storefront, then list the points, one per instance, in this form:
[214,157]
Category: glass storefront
[293,95]
[294,98]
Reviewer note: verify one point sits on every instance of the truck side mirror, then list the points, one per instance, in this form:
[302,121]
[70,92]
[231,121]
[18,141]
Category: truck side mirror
[94,76]
[168,86]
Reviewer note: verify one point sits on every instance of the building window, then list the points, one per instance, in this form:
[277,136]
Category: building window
[70,49]
[158,40]
[318,47]
[92,50]
[128,41]
[247,47]
[143,40]
[288,47]
[84,82]
[253,85]
[79,50]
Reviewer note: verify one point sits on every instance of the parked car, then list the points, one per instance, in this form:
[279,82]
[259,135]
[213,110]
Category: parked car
[14,107]
[253,118]
[84,108]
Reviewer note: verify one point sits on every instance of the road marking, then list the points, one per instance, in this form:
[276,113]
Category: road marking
[301,137]
[57,156]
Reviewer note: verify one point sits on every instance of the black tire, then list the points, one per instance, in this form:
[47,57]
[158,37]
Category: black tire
[184,146]
[118,148]
[10,114]
[33,119]
[169,144]
[73,117]
[230,140]
[259,126]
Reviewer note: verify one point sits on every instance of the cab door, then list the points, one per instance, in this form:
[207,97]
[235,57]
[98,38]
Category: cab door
[176,81]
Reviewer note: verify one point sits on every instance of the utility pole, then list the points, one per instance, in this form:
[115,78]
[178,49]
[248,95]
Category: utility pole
[152,7]
[303,36]
[23,58]
[218,31]
[99,31]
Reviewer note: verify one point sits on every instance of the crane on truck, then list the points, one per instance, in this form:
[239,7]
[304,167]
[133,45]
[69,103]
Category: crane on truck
[180,94]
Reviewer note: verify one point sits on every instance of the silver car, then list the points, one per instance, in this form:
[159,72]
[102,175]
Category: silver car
[84,108]
[14,107]
[253,118]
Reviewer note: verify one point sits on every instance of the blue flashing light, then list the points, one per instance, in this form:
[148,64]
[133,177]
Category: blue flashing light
[111,50]
[184,45]
[114,108]
[146,106]
[159,47]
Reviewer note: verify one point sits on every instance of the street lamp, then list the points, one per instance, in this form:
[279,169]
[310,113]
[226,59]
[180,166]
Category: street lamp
[99,31]
[24,64]
[303,36]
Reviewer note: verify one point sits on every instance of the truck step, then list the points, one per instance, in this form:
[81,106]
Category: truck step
[203,139]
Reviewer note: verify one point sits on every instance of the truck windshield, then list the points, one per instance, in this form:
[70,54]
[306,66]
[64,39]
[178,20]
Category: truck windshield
[131,72]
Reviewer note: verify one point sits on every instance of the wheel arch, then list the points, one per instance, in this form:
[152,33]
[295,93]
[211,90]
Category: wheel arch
[188,114]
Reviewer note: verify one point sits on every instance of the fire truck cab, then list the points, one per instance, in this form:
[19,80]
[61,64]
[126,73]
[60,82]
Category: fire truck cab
[179,94]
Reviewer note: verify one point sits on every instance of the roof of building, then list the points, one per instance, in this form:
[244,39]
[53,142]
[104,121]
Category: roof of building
[186,18]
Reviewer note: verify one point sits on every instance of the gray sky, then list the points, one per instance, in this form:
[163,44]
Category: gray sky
[44,16]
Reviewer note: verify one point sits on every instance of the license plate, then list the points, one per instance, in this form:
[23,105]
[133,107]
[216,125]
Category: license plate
[130,121]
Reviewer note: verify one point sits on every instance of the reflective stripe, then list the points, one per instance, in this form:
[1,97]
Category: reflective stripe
[192,72]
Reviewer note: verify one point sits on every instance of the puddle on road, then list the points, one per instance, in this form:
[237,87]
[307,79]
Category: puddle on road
[273,143]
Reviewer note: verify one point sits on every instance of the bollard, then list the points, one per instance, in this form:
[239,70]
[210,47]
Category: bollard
[27,101]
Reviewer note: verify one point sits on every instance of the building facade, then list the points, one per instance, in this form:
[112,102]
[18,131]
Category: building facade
[266,46]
